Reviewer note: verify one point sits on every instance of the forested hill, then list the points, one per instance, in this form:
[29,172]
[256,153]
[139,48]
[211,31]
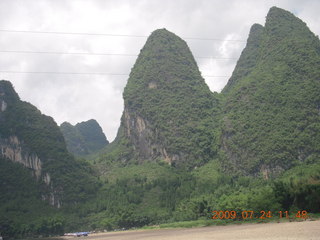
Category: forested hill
[35,141]
[38,175]
[271,110]
[84,138]
[169,112]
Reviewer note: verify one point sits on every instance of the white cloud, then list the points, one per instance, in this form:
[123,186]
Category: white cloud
[76,98]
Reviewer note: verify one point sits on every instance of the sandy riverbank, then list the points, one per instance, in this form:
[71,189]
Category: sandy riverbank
[271,231]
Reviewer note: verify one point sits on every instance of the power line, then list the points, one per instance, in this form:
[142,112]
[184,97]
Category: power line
[69,53]
[83,73]
[113,35]
[91,53]
[73,33]
[65,73]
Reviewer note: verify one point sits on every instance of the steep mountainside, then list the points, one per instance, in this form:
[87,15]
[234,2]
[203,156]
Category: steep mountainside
[84,138]
[169,112]
[271,112]
[35,141]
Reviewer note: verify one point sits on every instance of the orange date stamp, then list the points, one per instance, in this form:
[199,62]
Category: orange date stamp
[259,215]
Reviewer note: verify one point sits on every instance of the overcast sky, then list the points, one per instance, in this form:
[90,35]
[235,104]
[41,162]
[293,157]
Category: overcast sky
[75,98]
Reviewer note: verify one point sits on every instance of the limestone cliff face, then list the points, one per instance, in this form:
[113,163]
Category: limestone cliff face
[146,141]
[167,105]
[3,106]
[13,149]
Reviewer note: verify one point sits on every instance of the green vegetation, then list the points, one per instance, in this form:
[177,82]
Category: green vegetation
[181,151]
[22,212]
[299,188]
[152,194]
[84,138]
[196,223]
[71,181]
[271,113]
[166,90]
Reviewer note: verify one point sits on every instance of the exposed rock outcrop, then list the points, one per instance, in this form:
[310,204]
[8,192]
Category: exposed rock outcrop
[11,149]
[146,141]
[3,106]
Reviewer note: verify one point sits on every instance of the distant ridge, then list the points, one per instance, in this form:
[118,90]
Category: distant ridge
[84,138]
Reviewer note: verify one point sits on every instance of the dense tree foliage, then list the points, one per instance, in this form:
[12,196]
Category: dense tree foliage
[271,111]
[299,188]
[166,90]
[22,211]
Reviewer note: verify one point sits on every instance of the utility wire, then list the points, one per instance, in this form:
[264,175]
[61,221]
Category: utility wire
[83,73]
[69,53]
[90,53]
[65,73]
[113,35]
[96,54]
[73,33]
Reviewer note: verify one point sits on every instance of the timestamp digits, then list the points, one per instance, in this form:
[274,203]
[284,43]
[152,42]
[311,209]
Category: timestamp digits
[256,215]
